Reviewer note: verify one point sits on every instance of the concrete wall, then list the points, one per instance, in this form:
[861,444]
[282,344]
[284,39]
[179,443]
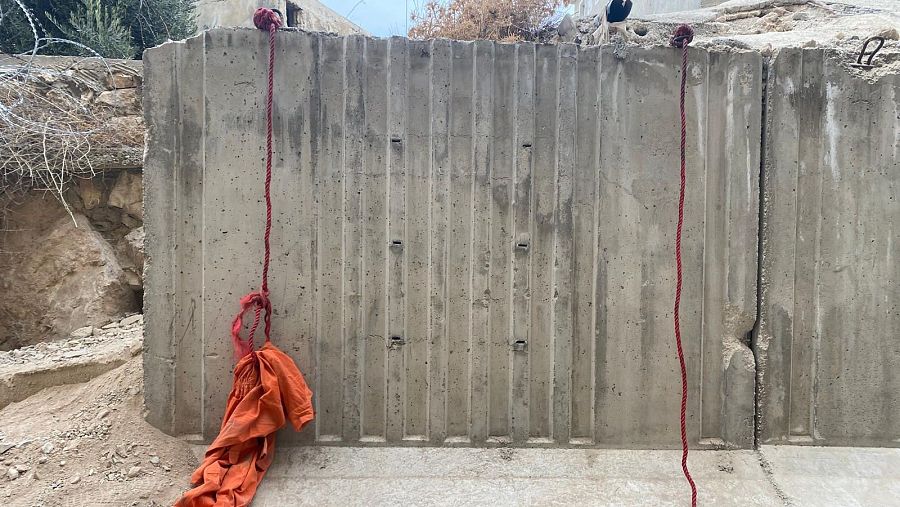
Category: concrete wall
[829,335]
[533,193]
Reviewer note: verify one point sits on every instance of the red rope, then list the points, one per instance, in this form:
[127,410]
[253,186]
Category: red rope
[264,19]
[682,37]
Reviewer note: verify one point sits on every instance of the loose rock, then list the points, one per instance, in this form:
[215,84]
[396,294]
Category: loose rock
[83,332]
[133,472]
[134,319]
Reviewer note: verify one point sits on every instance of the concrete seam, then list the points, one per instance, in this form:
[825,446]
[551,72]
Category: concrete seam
[769,474]
[754,333]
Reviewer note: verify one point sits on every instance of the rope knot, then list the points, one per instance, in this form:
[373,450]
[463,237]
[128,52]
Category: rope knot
[683,36]
[266,19]
[258,302]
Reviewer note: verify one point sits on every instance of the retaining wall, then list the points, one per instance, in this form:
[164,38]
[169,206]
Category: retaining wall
[474,241]
[438,202]
[829,335]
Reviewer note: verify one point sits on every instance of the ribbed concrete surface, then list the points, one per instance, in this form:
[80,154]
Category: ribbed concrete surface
[473,241]
[829,335]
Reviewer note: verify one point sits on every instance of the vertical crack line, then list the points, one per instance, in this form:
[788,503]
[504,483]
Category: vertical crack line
[754,333]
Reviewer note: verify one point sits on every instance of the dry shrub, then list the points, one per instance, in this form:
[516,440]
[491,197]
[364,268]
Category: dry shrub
[500,20]
[50,132]
[45,134]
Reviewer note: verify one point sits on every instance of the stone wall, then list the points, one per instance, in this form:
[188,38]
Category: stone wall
[76,262]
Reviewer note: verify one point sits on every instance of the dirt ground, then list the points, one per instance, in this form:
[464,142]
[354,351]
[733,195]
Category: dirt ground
[88,444]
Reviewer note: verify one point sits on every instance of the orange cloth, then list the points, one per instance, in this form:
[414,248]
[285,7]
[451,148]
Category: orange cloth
[268,391]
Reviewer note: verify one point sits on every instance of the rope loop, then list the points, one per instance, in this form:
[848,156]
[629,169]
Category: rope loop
[266,19]
[683,36]
[258,302]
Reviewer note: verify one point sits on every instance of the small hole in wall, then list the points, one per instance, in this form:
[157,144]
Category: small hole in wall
[139,299]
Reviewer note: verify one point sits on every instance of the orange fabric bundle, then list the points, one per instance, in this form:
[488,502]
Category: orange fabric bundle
[268,391]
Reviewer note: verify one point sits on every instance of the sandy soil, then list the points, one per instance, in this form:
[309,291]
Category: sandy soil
[88,444]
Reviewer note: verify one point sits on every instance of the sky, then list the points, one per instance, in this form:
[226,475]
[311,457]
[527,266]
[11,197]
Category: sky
[379,17]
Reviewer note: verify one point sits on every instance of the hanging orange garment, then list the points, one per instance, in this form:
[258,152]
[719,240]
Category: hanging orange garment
[268,391]
[268,388]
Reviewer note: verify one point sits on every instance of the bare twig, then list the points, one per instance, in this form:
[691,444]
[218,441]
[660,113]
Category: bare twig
[46,130]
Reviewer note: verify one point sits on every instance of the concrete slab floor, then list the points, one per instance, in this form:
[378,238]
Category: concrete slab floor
[799,476]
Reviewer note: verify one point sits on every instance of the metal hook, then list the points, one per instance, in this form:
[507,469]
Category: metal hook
[863,52]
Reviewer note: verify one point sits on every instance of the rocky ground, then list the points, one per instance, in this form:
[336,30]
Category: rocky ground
[88,444]
[763,25]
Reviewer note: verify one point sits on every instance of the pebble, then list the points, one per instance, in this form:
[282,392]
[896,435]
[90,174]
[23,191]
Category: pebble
[22,468]
[111,325]
[889,33]
[75,480]
[62,463]
[48,448]
[154,460]
[12,474]
[103,413]
[134,472]
[83,332]
[134,319]
[42,460]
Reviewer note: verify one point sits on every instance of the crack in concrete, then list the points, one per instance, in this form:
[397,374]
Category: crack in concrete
[766,467]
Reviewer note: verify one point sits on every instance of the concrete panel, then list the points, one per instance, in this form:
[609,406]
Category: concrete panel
[827,342]
[473,241]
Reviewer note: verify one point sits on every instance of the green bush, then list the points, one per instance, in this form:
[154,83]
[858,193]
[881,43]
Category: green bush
[112,28]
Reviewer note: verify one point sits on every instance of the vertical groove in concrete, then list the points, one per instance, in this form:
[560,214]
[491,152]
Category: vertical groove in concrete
[829,313]
[472,241]
[522,234]
[482,128]
[375,241]
[417,142]
[502,137]
[441,74]
[160,363]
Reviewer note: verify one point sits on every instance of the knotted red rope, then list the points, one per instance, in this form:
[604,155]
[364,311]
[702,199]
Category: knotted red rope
[680,39]
[264,19]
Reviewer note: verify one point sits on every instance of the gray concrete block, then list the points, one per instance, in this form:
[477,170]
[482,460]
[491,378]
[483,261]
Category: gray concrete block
[827,340]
